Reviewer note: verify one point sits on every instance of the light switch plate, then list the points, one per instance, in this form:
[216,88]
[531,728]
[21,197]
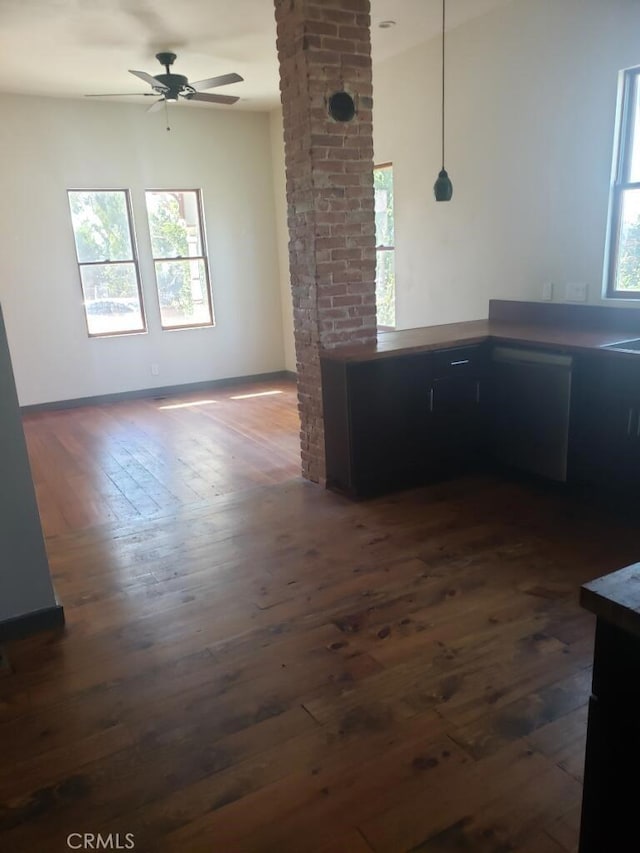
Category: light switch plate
[576,292]
[547,291]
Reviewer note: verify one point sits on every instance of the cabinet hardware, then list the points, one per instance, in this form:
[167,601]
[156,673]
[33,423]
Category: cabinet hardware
[477,390]
[462,361]
[638,426]
[431,399]
[629,421]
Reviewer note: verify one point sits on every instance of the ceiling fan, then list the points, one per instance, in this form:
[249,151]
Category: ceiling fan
[170,87]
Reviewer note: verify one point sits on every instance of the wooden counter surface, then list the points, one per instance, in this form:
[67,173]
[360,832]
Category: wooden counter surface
[478,331]
[615,598]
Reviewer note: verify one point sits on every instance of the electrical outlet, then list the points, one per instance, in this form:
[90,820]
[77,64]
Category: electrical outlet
[155,369]
[547,291]
[576,292]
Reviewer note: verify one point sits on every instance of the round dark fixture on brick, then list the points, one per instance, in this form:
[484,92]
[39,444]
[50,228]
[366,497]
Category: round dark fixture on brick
[341,106]
[443,188]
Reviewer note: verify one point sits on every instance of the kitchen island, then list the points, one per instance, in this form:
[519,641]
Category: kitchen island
[610,796]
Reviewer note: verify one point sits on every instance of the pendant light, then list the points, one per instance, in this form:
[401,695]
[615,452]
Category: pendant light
[443,188]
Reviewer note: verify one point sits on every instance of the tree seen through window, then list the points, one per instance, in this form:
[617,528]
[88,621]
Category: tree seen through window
[385,245]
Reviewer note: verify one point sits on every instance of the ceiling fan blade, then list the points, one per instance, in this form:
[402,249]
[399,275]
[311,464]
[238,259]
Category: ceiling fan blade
[214,82]
[155,107]
[212,99]
[122,95]
[149,79]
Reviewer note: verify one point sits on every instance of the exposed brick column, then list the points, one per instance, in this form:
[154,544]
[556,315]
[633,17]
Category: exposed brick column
[325,47]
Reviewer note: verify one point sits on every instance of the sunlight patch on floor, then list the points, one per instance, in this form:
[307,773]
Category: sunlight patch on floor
[188,405]
[257,394]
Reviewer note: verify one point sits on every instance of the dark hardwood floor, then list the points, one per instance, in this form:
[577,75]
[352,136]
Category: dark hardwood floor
[277,669]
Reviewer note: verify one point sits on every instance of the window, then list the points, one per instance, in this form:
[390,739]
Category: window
[107,261]
[624,227]
[385,249]
[179,255]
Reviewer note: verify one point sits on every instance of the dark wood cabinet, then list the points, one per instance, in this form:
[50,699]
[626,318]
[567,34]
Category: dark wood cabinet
[376,419]
[604,446]
[457,408]
[610,793]
[400,421]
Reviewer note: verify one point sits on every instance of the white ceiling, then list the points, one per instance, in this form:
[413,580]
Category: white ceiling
[69,48]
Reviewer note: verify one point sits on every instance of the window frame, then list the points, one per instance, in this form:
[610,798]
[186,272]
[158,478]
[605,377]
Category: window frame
[625,126]
[204,257]
[384,248]
[132,261]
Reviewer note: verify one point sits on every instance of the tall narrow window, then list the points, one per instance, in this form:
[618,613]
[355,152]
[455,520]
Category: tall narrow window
[385,246]
[624,228]
[179,255]
[106,253]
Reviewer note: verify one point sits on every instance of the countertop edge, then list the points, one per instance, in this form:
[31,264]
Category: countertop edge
[487,331]
[615,598]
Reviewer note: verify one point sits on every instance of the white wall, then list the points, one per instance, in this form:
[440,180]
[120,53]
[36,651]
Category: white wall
[50,145]
[531,99]
[280,198]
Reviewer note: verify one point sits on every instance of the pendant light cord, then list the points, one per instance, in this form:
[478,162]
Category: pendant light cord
[443,28]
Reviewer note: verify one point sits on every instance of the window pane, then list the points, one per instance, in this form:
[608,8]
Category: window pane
[174,224]
[183,293]
[111,299]
[383,184]
[634,164]
[101,226]
[386,288]
[628,265]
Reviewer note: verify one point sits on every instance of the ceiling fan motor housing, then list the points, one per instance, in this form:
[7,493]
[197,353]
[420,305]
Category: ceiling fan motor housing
[175,83]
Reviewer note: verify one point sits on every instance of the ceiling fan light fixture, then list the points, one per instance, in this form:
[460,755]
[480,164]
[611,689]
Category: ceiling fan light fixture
[443,188]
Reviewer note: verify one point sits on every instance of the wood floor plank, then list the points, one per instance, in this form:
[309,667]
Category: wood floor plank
[565,830]
[491,803]
[563,741]
[537,710]
[314,805]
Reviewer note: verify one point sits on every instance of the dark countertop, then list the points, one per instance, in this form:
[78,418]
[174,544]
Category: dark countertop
[615,598]
[477,331]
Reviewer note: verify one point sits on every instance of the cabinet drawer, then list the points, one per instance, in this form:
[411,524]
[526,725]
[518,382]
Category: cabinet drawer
[450,362]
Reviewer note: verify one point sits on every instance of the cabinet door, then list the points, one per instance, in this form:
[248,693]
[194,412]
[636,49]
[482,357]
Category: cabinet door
[605,426]
[389,419]
[456,406]
[456,424]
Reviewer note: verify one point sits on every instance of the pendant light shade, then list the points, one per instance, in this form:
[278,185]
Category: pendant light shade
[443,188]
